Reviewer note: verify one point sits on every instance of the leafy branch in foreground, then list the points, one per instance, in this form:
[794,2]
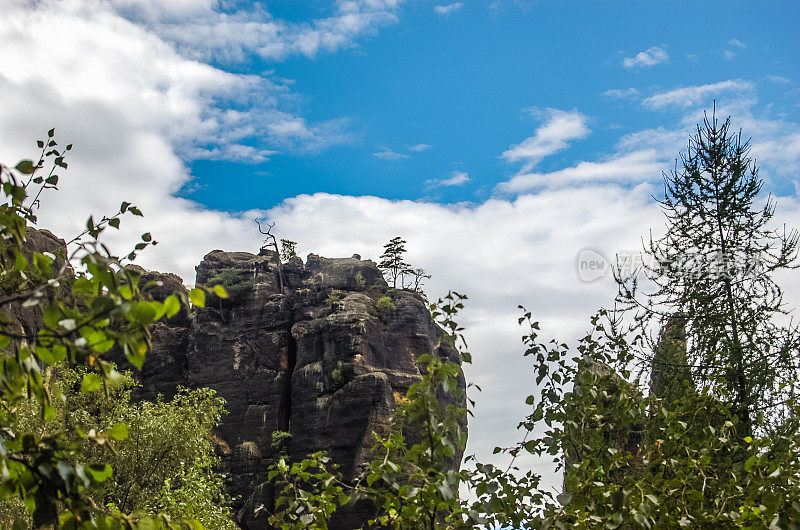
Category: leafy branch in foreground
[84,314]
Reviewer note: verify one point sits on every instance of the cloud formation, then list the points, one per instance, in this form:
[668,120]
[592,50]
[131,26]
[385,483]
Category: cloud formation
[650,57]
[641,156]
[622,93]
[456,178]
[559,128]
[448,8]
[691,96]
[631,167]
[388,154]
[208,30]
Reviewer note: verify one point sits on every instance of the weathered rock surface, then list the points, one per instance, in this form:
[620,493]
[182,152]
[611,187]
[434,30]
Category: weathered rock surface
[308,351]
[28,320]
[285,359]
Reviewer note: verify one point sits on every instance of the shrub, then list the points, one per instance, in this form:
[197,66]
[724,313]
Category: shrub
[361,283]
[385,304]
[236,282]
[334,298]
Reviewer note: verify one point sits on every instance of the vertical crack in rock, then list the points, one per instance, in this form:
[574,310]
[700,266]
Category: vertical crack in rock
[284,422]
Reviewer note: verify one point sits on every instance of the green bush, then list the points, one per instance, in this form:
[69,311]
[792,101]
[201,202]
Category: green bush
[334,298]
[337,375]
[165,464]
[236,282]
[385,304]
[361,283]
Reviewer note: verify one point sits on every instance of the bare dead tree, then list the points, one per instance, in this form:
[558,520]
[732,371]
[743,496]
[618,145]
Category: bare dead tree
[274,241]
[419,276]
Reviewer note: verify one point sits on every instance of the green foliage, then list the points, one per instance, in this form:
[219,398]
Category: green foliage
[714,269]
[385,304]
[309,492]
[280,439]
[412,482]
[632,461]
[235,282]
[85,314]
[160,453]
[361,283]
[337,375]
[334,298]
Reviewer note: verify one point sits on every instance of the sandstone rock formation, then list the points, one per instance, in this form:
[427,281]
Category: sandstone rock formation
[317,357]
[293,359]
[28,320]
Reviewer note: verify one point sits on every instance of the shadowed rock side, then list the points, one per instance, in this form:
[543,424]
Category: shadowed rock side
[28,320]
[290,360]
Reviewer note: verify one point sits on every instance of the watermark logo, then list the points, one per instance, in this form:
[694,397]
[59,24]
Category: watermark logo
[591,265]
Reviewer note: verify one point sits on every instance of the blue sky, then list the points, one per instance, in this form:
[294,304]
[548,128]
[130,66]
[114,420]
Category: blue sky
[501,139]
[460,83]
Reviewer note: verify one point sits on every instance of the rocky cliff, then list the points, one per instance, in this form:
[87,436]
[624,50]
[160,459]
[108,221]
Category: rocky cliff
[317,357]
[305,349]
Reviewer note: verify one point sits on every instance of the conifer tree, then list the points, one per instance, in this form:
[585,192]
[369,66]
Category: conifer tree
[392,259]
[714,268]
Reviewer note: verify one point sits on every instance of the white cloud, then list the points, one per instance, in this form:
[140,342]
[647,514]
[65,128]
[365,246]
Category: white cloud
[729,55]
[388,154]
[559,129]
[650,57]
[736,43]
[697,95]
[641,156]
[635,167]
[622,93]
[779,79]
[126,66]
[456,178]
[418,148]
[448,8]
[206,30]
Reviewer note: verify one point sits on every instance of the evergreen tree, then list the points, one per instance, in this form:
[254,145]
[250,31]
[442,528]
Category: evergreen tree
[392,259]
[714,267]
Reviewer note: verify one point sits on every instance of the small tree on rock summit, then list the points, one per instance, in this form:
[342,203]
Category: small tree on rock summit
[392,263]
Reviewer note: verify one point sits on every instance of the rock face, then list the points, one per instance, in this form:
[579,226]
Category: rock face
[317,357]
[28,320]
